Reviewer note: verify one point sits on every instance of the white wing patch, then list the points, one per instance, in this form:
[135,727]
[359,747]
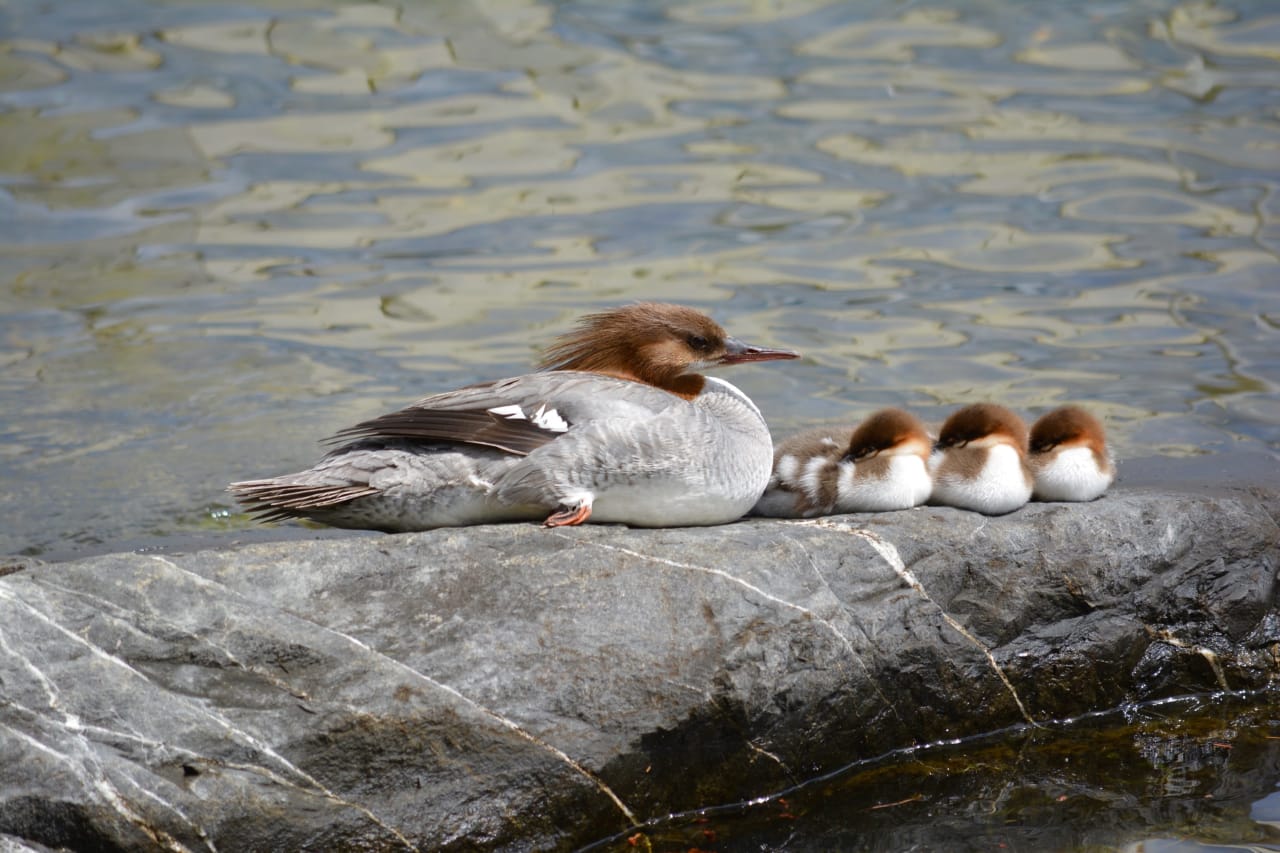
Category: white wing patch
[544,418]
[549,419]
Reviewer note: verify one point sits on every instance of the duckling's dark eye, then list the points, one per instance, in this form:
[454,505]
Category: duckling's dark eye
[698,343]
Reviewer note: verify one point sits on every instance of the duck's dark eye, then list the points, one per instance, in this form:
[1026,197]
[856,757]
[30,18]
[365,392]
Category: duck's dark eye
[698,343]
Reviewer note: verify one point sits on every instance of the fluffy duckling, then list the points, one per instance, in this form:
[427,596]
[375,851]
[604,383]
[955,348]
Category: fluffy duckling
[980,461]
[1070,459]
[882,465]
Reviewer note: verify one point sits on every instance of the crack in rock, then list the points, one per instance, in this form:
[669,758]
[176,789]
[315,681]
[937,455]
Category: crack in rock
[84,764]
[1210,656]
[505,722]
[760,750]
[218,719]
[866,670]
[889,553]
[830,626]
[105,791]
[768,596]
[122,614]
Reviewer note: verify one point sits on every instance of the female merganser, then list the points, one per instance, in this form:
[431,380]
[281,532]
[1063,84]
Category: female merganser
[619,427]
[980,461]
[1069,458]
[881,466]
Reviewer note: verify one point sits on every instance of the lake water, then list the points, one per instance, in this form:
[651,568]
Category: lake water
[229,230]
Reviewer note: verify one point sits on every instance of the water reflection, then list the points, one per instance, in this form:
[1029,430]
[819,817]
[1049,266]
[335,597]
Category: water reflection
[1192,775]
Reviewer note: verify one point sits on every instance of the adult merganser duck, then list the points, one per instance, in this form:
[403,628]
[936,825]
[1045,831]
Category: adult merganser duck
[618,427]
[1069,458]
[980,460]
[881,466]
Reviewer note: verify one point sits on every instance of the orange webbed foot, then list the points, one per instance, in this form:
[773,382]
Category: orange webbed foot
[568,517]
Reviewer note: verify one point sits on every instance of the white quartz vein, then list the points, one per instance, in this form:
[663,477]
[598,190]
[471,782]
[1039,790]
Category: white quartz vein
[122,614]
[509,724]
[890,554]
[768,596]
[760,750]
[105,790]
[1209,655]
[85,762]
[221,721]
[163,752]
[830,626]
[866,670]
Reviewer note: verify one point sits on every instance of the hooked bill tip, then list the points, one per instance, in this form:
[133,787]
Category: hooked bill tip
[736,352]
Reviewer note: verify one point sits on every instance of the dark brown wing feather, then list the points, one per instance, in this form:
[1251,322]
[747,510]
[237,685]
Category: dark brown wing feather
[517,436]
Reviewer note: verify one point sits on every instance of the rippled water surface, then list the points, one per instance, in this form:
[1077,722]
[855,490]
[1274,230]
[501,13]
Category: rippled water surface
[227,231]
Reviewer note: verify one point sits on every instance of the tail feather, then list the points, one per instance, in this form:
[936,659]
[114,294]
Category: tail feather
[278,500]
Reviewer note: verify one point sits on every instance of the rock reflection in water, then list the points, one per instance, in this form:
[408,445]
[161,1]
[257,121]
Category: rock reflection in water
[1189,770]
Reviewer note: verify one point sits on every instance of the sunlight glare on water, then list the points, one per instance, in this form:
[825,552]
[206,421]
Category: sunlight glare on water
[232,230]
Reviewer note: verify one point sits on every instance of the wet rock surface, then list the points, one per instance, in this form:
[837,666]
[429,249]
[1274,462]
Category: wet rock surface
[515,687]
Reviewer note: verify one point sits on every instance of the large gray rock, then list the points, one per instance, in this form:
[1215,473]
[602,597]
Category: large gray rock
[516,687]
